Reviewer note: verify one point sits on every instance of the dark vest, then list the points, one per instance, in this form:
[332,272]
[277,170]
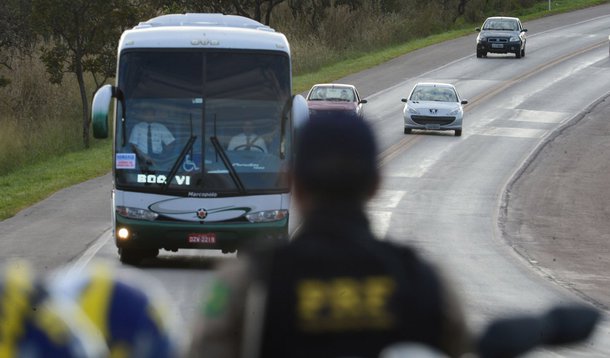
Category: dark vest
[336,291]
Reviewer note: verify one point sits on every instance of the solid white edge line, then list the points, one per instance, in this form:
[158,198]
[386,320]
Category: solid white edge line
[90,253]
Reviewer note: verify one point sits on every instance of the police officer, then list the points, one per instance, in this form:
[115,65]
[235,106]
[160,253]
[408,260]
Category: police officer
[334,290]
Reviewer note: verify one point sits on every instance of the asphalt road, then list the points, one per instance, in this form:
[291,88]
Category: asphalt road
[441,194]
[561,226]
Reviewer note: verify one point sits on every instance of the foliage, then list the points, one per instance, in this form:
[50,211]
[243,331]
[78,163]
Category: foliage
[81,37]
[259,10]
[38,119]
[16,37]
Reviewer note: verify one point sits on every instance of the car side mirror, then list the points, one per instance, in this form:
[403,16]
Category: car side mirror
[464,102]
[363,101]
[477,29]
[403,100]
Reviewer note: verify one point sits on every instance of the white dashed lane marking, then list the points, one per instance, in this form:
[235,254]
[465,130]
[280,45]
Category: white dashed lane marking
[524,115]
[512,132]
[380,210]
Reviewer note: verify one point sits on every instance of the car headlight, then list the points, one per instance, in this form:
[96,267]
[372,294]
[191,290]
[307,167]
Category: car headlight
[136,213]
[412,110]
[455,112]
[514,39]
[481,38]
[266,216]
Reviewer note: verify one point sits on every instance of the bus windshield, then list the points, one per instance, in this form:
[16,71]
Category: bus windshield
[203,122]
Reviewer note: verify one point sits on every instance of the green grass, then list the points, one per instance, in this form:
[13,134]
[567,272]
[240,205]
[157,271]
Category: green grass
[32,183]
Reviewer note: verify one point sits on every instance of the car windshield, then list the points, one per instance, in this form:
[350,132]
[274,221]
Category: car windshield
[501,25]
[337,94]
[436,94]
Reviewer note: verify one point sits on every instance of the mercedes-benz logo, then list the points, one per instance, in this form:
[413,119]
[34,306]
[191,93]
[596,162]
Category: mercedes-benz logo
[202,213]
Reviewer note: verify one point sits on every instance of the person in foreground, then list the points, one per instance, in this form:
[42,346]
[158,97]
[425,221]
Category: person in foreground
[36,324]
[334,290]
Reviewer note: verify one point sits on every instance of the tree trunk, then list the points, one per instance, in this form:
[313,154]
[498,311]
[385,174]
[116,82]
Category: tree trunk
[462,7]
[83,96]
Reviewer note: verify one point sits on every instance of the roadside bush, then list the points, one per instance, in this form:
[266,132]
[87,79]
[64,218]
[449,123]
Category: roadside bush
[38,119]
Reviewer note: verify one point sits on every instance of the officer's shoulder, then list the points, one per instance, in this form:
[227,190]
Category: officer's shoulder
[403,250]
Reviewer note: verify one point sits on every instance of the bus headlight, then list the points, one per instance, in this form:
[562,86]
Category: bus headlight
[123,234]
[136,213]
[266,216]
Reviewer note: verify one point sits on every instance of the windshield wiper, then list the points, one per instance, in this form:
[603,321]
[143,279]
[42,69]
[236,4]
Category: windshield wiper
[227,162]
[178,161]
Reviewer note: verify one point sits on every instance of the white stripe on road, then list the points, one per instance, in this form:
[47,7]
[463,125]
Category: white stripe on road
[380,222]
[90,253]
[512,132]
[524,115]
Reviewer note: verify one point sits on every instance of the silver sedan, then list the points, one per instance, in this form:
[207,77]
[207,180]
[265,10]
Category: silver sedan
[433,106]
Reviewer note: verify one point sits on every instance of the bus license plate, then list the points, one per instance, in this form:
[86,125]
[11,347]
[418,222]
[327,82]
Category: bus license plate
[207,238]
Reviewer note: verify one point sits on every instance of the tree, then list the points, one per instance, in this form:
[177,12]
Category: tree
[81,37]
[259,10]
[15,35]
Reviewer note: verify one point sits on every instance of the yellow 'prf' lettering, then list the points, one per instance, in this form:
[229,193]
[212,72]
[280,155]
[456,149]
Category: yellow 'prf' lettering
[378,291]
[345,298]
[344,303]
[311,298]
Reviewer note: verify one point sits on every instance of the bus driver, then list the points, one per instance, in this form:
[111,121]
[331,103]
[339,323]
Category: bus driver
[248,140]
[149,136]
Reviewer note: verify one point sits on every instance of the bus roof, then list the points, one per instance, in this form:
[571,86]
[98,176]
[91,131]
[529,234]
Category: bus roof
[203,31]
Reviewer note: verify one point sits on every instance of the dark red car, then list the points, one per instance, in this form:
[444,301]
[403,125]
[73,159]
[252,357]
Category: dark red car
[334,97]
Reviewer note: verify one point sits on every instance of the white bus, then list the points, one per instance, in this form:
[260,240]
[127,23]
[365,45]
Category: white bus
[203,129]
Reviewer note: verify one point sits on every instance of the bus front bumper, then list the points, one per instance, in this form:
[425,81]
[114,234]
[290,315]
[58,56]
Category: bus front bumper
[228,237]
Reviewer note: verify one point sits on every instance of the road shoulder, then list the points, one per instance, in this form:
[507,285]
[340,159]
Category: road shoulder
[555,211]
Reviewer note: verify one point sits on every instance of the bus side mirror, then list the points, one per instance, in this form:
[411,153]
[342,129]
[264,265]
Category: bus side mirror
[300,111]
[99,111]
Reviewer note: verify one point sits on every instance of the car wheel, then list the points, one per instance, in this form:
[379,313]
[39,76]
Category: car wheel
[518,54]
[479,54]
[407,130]
[458,132]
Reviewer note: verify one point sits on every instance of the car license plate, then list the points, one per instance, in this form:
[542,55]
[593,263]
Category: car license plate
[497,46]
[207,238]
[433,126]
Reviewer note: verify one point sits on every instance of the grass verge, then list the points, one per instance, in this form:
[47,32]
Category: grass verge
[32,183]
